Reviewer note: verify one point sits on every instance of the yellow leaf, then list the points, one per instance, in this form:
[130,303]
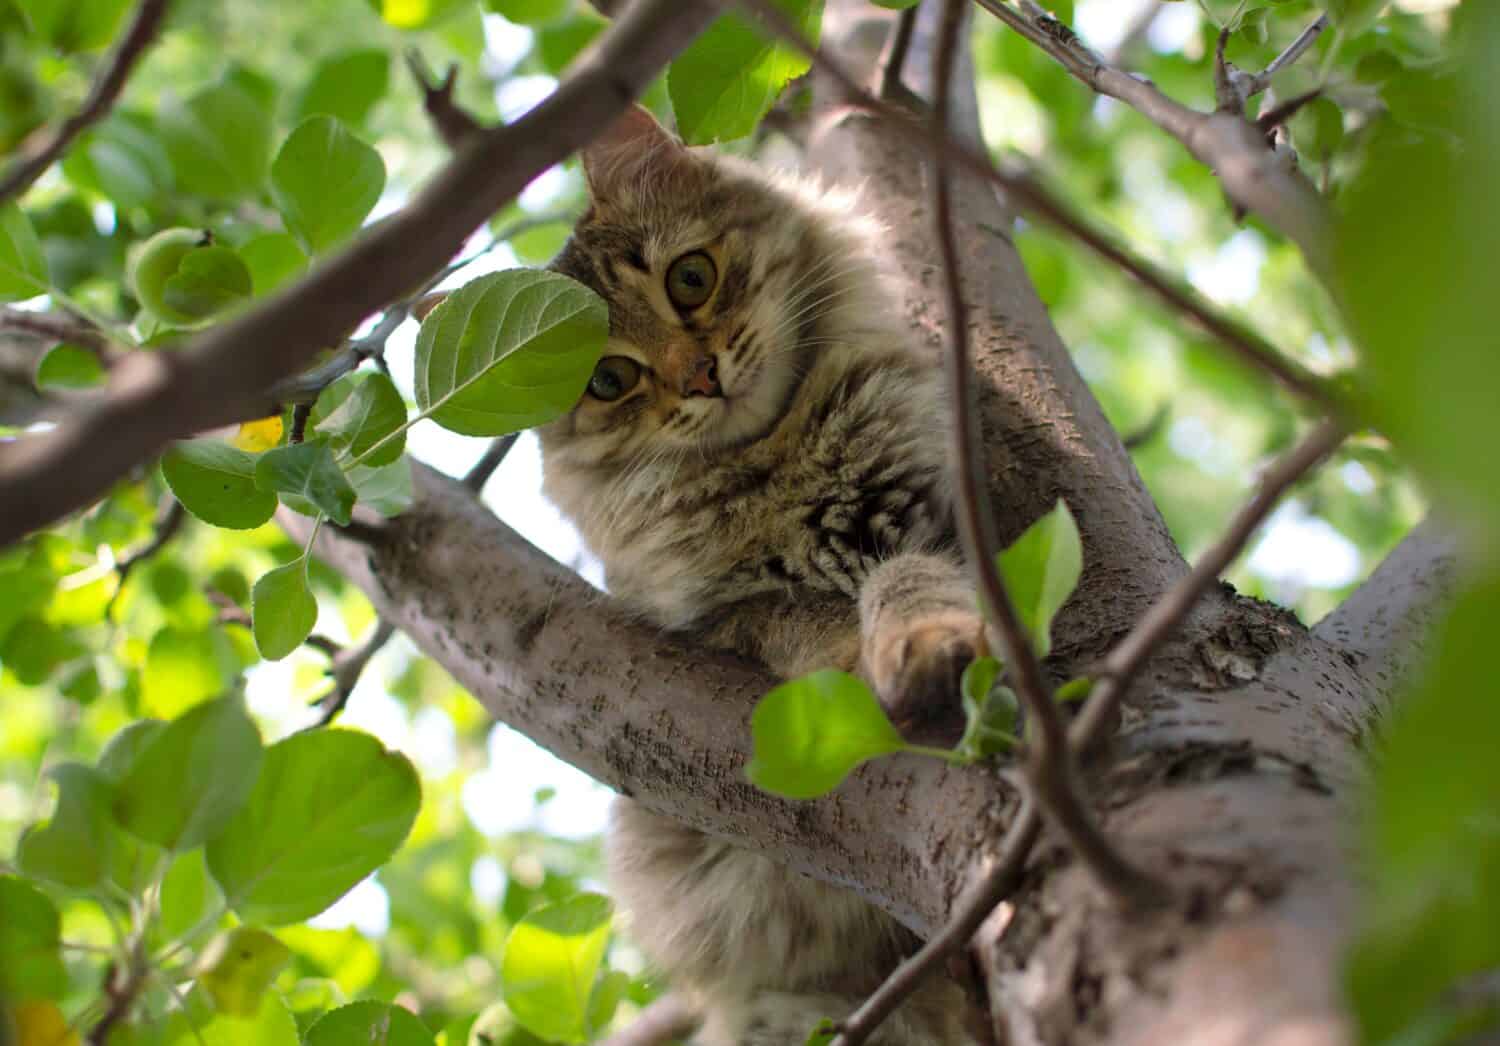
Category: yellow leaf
[41,1023]
[238,967]
[256,436]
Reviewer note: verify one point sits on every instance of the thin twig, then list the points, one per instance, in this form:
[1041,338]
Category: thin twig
[347,665]
[1294,51]
[169,520]
[54,326]
[969,911]
[667,1019]
[1049,763]
[485,467]
[893,59]
[1121,664]
[31,163]
[1023,189]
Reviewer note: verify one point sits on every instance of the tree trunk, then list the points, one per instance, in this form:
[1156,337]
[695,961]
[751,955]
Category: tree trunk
[1231,774]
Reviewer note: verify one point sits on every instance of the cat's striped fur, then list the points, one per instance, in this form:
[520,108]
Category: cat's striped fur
[793,510]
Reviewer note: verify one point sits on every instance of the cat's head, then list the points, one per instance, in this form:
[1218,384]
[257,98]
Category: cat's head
[720,281]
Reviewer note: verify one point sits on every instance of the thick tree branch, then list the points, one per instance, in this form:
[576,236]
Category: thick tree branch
[1386,621]
[157,397]
[1254,176]
[30,164]
[1166,616]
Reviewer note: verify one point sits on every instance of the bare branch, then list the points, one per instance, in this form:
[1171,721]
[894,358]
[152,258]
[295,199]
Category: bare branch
[58,327]
[1049,762]
[1253,175]
[667,1019]
[1295,50]
[225,372]
[485,467]
[346,666]
[169,520]
[996,882]
[1386,621]
[138,36]
[1040,202]
[893,58]
[454,125]
[1120,666]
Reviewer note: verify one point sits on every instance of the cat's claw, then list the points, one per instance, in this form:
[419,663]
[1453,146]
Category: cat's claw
[917,669]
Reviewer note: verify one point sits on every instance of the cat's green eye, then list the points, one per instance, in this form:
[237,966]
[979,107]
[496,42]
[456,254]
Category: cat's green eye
[691,279]
[613,377]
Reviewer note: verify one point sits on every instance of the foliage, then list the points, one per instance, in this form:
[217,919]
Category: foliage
[144,803]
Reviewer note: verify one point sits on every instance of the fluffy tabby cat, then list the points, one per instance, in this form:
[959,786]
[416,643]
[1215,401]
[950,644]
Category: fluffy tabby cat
[758,461]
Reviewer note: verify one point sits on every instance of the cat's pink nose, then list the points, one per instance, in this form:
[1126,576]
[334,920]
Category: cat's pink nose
[703,379]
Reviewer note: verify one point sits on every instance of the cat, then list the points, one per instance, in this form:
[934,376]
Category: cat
[758,461]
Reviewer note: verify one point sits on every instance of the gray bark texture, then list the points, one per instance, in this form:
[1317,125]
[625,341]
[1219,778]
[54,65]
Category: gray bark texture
[1232,774]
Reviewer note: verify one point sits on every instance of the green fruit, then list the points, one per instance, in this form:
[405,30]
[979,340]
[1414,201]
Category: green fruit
[184,278]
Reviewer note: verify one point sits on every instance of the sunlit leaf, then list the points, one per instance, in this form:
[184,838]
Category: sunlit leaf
[730,76]
[72,847]
[282,610]
[330,807]
[237,968]
[191,776]
[324,181]
[1041,569]
[254,437]
[809,733]
[549,966]
[368,1023]
[38,1022]
[508,351]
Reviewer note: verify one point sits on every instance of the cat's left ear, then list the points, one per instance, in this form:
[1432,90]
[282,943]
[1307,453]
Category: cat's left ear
[636,152]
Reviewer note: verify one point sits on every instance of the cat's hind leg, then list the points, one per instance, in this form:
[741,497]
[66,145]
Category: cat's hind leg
[919,629]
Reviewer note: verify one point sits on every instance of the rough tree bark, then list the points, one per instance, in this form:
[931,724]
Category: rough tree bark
[1231,775]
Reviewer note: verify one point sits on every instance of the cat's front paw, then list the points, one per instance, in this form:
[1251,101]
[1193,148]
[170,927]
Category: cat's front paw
[917,665]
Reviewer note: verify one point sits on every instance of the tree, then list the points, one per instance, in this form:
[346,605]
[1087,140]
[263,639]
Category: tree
[1249,829]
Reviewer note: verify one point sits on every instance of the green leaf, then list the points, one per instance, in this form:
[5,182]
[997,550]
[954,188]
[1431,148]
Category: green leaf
[730,77]
[609,989]
[271,1025]
[550,961]
[1074,690]
[559,44]
[387,489]
[274,260]
[359,412]
[896,5]
[330,807]
[23,269]
[1041,570]
[508,351]
[125,747]
[219,140]
[1354,16]
[183,667]
[76,25]
[368,1023]
[208,280]
[282,610]
[825,1031]
[809,733]
[35,648]
[1432,832]
[308,470]
[188,895]
[346,86]
[237,968]
[216,483]
[69,367]
[992,712]
[30,942]
[324,181]
[1413,276]
[122,159]
[417,14]
[529,12]
[191,776]
[71,849]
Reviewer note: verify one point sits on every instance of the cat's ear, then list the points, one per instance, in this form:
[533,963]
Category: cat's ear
[633,153]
